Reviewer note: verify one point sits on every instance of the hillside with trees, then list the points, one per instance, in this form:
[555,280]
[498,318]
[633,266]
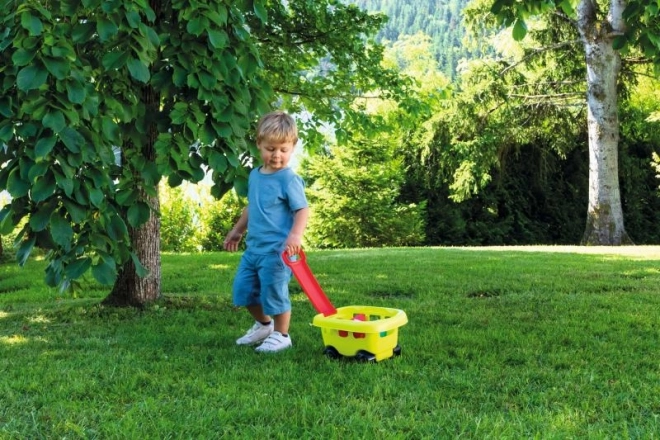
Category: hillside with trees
[441,21]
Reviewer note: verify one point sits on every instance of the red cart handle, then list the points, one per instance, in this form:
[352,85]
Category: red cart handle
[308,282]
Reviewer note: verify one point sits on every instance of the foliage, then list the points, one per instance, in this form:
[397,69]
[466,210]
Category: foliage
[440,21]
[320,57]
[179,85]
[179,220]
[218,217]
[353,193]
[170,90]
[555,342]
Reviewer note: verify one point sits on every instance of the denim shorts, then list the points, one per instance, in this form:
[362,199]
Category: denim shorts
[262,280]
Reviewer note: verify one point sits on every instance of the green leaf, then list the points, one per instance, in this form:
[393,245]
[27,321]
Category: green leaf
[138,70]
[220,189]
[133,19]
[31,23]
[519,30]
[54,120]
[40,219]
[72,139]
[207,80]
[217,162]
[260,11]
[150,33]
[75,92]
[31,77]
[43,188]
[139,268]
[197,25]
[179,113]
[57,67]
[117,230]
[105,272]
[114,60]
[218,39]
[37,170]
[61,230]
[126,197]
[7,224]
[138,214]
[106,29]
[241,185]
[23,57]
[110,130]
[82,32]
[5,107]
[619,42]
[96,197]
[567,7]
[174,180]
[6,131]
[65,183]
[218,16]
[44,146]
[16,186]
[150,174]
[25,249]
[77,268]
[77,213]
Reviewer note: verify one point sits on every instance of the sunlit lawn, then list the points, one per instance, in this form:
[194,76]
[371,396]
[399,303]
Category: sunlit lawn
[501,343]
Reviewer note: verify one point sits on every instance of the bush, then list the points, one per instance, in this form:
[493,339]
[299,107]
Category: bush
[217,218]
[353,195]
[179,220]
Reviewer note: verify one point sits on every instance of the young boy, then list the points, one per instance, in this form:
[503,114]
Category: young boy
[275,218]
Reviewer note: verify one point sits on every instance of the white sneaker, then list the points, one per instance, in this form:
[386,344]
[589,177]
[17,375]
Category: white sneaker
[256,334]
[274,343]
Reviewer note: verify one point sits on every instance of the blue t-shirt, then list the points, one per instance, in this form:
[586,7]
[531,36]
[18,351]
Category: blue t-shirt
[273,200]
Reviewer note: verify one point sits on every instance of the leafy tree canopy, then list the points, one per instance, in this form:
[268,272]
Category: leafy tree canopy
[92,90]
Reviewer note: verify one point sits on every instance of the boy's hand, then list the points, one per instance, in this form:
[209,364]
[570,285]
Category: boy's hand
[232,240]
[293,244]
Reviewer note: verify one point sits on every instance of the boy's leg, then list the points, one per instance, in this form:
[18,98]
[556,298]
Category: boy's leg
[282,322]
[258,314]
[246,293]
[274,277]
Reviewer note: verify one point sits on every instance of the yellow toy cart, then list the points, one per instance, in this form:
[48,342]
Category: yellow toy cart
[365,333]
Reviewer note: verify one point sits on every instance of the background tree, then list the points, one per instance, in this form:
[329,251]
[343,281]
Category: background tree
[353,190]
[603,29]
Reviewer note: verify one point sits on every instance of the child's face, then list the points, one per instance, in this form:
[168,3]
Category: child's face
[275,155]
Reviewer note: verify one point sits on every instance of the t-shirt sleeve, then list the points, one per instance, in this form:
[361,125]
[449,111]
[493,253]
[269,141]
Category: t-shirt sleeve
[296,194]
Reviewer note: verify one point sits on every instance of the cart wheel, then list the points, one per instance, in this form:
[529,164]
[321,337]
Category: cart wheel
[397,350]
[331,352]
[365,356]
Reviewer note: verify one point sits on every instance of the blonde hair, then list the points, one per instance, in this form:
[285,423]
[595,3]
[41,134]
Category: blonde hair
[277,126]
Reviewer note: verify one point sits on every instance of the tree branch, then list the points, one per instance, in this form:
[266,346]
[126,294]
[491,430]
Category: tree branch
[537,52]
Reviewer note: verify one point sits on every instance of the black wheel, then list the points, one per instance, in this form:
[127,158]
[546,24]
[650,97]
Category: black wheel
[397,350]
[331,352]
[365,356]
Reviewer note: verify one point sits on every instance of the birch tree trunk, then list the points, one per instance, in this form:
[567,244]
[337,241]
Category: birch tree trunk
[604,214]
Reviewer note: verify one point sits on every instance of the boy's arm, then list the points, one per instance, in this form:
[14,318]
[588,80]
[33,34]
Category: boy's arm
[234,236]
[293,242]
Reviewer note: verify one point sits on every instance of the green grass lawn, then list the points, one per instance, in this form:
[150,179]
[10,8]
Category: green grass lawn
[501,343]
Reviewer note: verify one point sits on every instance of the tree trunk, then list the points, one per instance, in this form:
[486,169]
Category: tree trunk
[604,214]
[130,289]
